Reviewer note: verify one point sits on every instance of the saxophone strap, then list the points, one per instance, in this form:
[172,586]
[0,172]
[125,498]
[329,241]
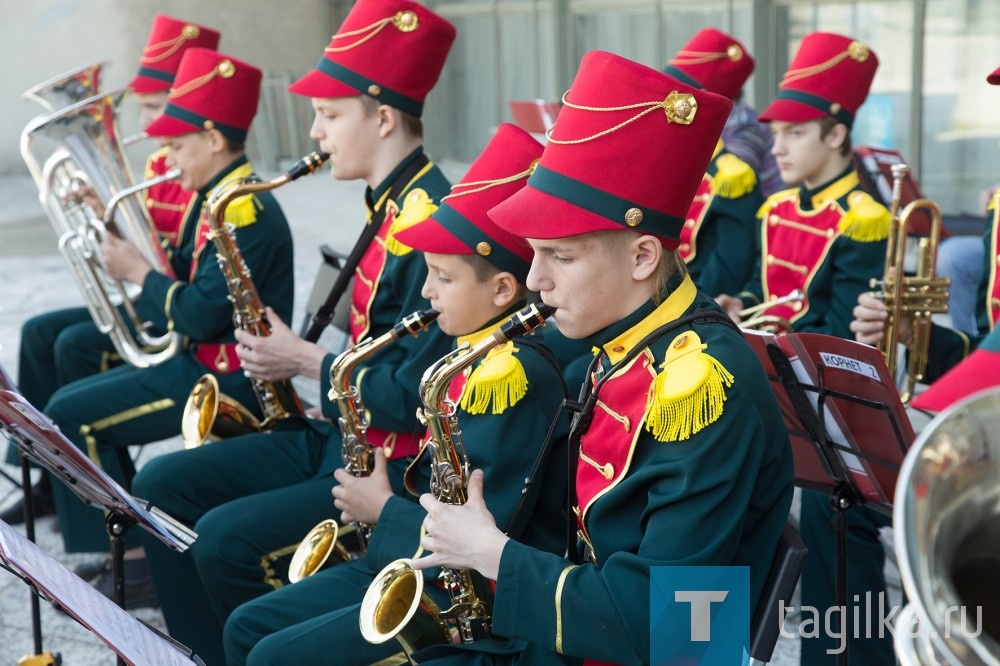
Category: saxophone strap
[324,314]
[583,409]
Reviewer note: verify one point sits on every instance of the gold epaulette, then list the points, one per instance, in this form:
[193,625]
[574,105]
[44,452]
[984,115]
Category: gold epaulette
[689,391]
[994,200]
[866,220]
[497,383]
[160,152]
[242,211]
[773,200]
[417,207]
[733,178]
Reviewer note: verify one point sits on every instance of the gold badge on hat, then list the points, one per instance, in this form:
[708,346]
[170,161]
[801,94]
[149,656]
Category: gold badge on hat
[734,52]
[190,32]
[680,107]
[226,69]
[633,216]
[858,51]
[484,248]
[406,21]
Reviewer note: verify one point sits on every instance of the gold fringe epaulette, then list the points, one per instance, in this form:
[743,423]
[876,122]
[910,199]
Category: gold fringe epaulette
[242,211]
[417,207]
[498,383]
[688,393]
[866,220]
[733,178]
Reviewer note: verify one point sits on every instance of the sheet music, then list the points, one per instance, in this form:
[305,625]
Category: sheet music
[128,637]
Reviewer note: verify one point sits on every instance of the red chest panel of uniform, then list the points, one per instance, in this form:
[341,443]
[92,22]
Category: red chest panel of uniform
[366,278]
[695,217]
[795,243]
[606,448]
[993,305]
[167,203]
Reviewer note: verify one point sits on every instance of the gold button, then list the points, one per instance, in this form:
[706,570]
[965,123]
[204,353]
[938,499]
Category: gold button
[770,260]
[406,21]
[190,31]
[773,220]
[685,247]
[226,69]
[680,341]
[608,470]
[734,52]
[484,248]
[633,216]
[688,223]
[797,306]
[618,348]
[835,109]
[374,90]
[149,202]
[830,233]
[209,125]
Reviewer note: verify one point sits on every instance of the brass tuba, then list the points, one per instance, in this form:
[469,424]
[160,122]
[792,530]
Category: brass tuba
[208,414]
[356,451]
[947,538]
[750,317]
[920,295]
[68,88]
[396,604]
[89,156]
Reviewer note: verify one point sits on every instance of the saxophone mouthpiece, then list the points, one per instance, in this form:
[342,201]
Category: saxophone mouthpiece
[524,321]
[307,165]
[414,323]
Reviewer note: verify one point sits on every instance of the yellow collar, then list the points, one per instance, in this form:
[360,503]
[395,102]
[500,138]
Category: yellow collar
[835,190]
[475,338]
[672,308]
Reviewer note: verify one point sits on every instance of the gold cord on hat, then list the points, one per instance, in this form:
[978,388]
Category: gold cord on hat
[405,21]
[189,31]
[460,189]
[733,52]
[224,69]
[679,108]
[856,51]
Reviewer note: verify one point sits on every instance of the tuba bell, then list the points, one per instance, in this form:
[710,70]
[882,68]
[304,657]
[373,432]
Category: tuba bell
[89,157]
[68,88]
[947,538]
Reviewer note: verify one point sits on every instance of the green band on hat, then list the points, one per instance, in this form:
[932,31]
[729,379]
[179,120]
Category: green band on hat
[605,204]
[681,76]
[364,84]
[151,73]
[186,116]
[461,228]
[815,101]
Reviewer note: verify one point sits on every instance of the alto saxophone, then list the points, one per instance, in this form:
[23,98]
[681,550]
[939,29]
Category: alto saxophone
[356,451]
[207,412]
[396,604]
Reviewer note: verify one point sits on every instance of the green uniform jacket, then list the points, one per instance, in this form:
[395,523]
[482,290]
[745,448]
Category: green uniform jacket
[829,242]
[721,226]
[715,496]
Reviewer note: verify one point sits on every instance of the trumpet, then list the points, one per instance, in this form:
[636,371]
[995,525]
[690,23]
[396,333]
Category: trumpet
[772,323]
[920,295]
[356,451]
[396,604]
[201,420]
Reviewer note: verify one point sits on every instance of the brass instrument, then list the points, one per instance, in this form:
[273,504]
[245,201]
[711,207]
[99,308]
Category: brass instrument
[947,538]
[89,157]
[356,451]
[920,295]
[68,88]
[208,414]
[772,323]
[396,604]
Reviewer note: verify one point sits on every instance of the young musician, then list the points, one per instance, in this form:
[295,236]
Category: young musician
[505,404]
[64,345]
[253,498]
[826,237]
[205,125]
[718,237]
[654,485]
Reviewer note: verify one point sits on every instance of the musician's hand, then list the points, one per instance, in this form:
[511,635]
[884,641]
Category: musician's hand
[280,355]
[122,261]
[870,317]
[362,498]
[462,536]
[87,196]
[731,305]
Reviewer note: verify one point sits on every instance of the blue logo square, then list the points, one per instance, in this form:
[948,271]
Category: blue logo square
[699,616]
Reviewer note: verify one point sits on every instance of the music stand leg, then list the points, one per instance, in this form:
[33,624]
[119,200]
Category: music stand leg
[841,500]
[29,528]
[116,525]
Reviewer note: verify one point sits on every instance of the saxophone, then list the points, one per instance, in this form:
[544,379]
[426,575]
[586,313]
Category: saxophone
[396,605]
[207,412]
[356,451]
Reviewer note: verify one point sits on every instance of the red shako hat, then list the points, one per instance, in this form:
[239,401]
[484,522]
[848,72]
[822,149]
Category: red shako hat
[212,91]
[392,50]
[628,150]
[168,39]
[461,225]
[829,76]
[714,61]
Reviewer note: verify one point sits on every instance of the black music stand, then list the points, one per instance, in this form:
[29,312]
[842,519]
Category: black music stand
[827,458]
[134,641]
[38,441]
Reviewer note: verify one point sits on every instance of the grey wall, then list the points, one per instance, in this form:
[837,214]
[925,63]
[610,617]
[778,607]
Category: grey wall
[40,39]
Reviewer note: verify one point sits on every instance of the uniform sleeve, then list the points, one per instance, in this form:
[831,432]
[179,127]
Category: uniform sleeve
[946,349]
[200,309]
[729,255]
[834,289]
[753,292]
[696,496]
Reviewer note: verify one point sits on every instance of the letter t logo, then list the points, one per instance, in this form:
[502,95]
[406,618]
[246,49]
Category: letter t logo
[701,603]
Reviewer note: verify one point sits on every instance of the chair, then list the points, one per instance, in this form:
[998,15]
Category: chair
[534,115]
[789,557]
